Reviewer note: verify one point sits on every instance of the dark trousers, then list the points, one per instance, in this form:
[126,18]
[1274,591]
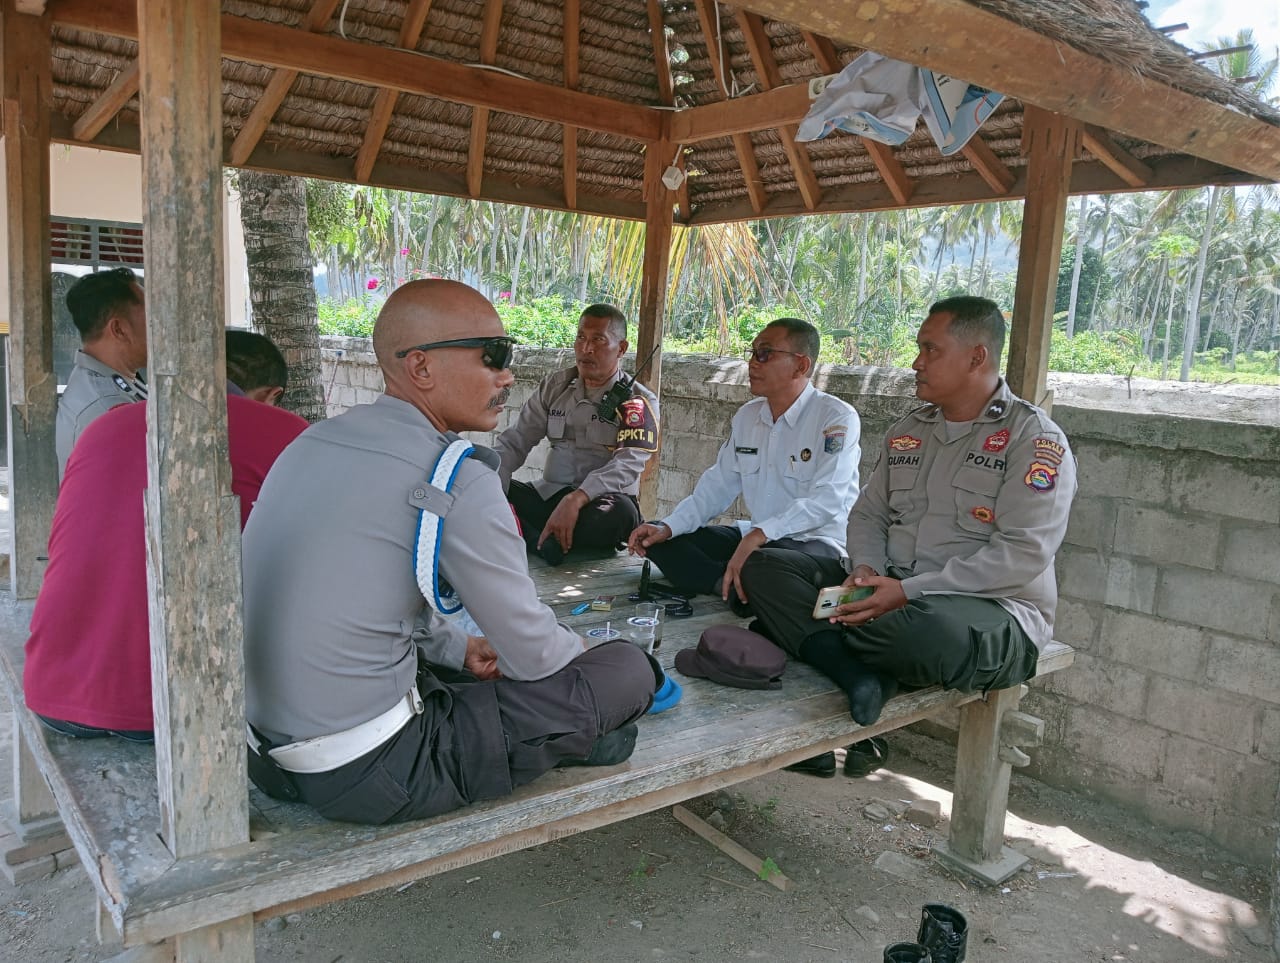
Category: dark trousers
[479,740]
[604,522]
[694,562]
[957,641]
[76,731]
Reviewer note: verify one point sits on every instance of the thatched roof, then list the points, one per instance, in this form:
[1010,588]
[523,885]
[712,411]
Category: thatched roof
[337,96]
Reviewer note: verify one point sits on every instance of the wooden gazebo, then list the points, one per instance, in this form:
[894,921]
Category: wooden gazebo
[571,104]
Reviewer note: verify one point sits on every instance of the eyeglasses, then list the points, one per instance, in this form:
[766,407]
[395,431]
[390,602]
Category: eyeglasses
[763,353]
[497,352]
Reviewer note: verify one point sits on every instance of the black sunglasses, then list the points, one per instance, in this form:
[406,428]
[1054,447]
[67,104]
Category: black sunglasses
[763,353]
[497,352]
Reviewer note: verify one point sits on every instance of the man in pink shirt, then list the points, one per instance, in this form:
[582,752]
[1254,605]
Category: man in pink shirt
[88,659]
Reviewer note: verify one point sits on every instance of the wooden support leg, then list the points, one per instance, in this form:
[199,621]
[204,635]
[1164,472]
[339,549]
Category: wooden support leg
[35,843]
[229,942]
[981,795]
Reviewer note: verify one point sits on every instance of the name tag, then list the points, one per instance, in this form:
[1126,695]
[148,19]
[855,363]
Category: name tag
[739,450]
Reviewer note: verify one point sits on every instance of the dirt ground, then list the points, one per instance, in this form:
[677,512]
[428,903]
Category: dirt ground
[1100,887]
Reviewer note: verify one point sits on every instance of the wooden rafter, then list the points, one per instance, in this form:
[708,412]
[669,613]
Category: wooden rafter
[661,59]
[99,113]
[984,160]
[349,60]
[255,125]
[572,28]
[949,35]
[384,103]
[895,177]
[1127,167]
[713,36]
[480,116]
[767,74]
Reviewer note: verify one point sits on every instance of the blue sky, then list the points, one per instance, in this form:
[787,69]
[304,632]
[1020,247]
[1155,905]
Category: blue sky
[1210,19]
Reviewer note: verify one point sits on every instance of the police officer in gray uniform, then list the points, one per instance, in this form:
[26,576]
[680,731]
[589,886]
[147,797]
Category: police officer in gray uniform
[109,312]
[371,531]
[954,533]
[587,493]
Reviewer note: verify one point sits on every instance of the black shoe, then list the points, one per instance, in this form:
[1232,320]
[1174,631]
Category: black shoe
[823,765]
[945,931]
[865,757]
[610,749]
[551,551]
[907,953]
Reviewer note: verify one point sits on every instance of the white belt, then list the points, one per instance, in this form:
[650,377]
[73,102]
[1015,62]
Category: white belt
[324,753]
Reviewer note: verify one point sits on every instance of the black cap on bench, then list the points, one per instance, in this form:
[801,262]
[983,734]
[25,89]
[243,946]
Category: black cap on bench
[732,655]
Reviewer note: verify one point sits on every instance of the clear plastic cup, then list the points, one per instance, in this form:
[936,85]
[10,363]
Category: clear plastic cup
[644,628]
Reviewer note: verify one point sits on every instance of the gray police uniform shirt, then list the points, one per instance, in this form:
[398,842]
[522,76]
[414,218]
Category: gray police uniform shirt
[93,389]
[978,512]
[798,476]
[587,452]
[331,600]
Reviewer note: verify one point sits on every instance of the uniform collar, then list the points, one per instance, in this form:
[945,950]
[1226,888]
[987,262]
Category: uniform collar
[580,387]
[90,363]
[792,415]
[997,406]
[401,411]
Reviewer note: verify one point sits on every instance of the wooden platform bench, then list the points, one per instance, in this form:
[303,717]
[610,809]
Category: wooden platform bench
[104,791]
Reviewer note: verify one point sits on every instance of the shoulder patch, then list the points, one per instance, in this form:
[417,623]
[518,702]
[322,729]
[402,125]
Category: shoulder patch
[1041,476]
[833,438]
[1048,449]
[637,428]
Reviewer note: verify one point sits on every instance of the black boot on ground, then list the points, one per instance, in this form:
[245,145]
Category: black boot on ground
[823,765]
[945,931]
[906,953]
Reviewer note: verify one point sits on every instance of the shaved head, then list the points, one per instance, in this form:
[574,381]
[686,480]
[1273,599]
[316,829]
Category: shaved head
[432,310]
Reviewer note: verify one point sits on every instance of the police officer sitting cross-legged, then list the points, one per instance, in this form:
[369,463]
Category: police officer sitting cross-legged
[587,493]
[954,533]
[375,532]
[792,454]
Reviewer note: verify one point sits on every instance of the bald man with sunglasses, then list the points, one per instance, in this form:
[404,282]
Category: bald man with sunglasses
[792,455]
[374,535]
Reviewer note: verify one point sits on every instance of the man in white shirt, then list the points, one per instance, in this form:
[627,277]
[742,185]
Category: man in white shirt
[792,455]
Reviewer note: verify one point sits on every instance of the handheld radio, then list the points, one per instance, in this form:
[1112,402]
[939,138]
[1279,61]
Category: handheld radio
[607,409]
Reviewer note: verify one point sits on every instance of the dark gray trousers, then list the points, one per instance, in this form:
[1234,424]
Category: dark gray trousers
[957,641]
[479,740]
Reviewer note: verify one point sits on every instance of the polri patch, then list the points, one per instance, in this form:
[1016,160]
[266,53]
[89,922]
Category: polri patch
[833,439]
[1049,450]
[996,442]
[904,443]
[639,429]
[1041,477]
[983,514]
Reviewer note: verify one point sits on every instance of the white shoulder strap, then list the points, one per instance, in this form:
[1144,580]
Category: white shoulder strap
[426,561]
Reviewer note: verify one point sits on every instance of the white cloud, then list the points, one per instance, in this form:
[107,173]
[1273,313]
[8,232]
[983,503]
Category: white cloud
[1208,20]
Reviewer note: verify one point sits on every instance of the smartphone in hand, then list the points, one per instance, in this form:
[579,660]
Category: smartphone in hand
[836,595]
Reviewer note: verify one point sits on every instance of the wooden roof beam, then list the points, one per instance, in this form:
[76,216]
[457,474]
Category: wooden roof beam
[661,57]
[99,113]
[712,33]
[984,160]
[953,36]
[767,74]
[410,73]
[572,29]
[384,103]
[1127,167]
[277,89]
[480,115]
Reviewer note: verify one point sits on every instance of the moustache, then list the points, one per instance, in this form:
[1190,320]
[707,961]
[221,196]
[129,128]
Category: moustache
[500,399]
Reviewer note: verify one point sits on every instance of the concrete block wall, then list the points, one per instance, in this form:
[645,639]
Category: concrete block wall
[1169,576]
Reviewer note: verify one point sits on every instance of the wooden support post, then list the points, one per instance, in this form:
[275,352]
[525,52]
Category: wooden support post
[659,214]
[1050,142]
[35,835]
[33,388]
[976,844]
[193,525]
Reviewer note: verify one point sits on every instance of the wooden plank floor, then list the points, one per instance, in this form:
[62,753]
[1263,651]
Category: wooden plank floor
[717,736]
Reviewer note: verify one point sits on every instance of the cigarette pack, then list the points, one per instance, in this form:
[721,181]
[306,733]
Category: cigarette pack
[602,603]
